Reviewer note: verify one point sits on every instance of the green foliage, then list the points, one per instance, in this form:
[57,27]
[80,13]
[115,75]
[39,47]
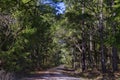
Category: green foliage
[25,1]
[32,36]
[27,44]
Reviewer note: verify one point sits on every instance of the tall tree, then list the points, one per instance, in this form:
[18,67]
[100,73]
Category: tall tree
[101,28]
[114,49]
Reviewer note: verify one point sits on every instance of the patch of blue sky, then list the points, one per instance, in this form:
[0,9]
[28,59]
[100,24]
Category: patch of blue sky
[50,2]
[59,6]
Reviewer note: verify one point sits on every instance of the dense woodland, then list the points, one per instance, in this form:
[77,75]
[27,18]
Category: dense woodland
[85,37]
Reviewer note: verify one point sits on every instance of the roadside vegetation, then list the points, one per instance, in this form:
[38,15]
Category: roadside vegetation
[85,37]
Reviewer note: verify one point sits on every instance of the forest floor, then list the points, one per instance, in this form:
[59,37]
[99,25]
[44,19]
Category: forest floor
[61,73]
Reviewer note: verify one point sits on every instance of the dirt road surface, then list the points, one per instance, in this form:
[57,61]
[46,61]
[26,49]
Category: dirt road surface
[50,74]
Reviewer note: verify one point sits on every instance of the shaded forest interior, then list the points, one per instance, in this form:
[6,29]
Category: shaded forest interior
[85,36]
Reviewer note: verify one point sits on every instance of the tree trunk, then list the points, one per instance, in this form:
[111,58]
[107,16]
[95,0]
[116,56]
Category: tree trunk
[101,37]
[114,58]
[83,40]
[114,49]
[90,51]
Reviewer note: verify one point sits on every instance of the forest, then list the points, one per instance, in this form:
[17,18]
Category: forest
[82,35]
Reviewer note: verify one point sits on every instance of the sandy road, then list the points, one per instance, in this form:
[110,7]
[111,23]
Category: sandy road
[50,74]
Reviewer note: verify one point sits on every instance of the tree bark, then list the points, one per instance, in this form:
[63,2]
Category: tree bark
[101,37]
[114,48]
[114,58]
[91,60]
[83,40]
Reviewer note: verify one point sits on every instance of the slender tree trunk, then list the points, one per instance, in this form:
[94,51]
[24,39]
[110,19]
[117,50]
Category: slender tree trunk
[101,37]
[90,51]
[83,40]
[114,49]
[114,58]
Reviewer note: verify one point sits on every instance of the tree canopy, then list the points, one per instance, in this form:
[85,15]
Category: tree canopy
[82,34]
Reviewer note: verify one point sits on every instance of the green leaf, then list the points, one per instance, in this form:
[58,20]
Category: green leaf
[25,1]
